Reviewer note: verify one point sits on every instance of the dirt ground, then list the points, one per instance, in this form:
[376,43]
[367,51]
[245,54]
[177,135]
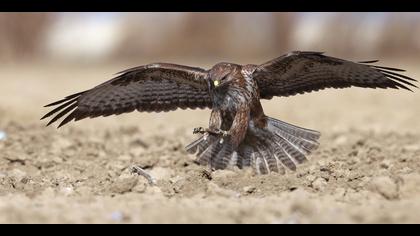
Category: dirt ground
[367,169]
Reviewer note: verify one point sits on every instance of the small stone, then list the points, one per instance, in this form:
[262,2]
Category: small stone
[3,135]
[17,174]
[385,186]
[310,178]
[117,216]
[249,189]
[67,190]
[385,164]
[319,184]
[62,143]
[340,192]
[124,185]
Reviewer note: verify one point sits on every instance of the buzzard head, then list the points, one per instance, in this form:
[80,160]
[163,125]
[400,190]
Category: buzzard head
[222,74]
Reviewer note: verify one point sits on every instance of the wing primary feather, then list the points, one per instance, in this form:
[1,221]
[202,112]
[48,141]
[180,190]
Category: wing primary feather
[399,75]
[387,68]
[61,114]
[59,108]
[368,62]
[401,80]
[68,118]
[65,99]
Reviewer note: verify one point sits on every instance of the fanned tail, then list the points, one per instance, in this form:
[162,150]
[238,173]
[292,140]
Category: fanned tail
[271,149]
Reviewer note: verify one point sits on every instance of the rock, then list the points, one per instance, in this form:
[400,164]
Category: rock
[3,135]
[249,189]
[339,192]
[117,216]
[385,186]
[141,186]
[124,185]
[319,184]
[385,164]
[310,178]
[17,174]
[66,190]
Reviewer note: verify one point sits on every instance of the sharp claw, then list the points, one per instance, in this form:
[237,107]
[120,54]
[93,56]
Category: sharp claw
[198,130]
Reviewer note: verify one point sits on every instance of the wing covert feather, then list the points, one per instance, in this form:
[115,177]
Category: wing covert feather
[302,72]
[150,88]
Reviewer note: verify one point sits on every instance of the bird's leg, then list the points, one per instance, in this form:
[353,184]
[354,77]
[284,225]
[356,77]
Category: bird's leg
[140,171]
[224,133]
[202,130]
[199,130]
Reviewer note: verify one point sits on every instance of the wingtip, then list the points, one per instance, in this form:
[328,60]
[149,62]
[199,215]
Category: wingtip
[368,62]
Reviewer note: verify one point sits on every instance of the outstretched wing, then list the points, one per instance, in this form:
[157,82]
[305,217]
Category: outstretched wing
[300,72]
[151,88]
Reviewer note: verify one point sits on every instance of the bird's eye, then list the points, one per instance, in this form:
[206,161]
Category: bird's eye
[216,83]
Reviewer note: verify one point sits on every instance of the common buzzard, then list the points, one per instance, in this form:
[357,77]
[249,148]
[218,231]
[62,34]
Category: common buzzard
[239,133]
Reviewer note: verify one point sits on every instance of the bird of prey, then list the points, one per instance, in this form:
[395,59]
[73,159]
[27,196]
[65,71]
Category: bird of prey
[239,133]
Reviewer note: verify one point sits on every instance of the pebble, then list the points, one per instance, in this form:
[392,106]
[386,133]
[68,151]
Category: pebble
[385,186]
[66,191]
[249,189]
[319,184]
[117,216]
[3,135]
[124,185]
[17,174]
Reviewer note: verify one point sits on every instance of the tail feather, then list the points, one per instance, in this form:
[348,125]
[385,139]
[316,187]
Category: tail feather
[222,159]
[244,156]
[207,155]
[271,149]
[294,130]
[280,153]
[261,165]
[200,145]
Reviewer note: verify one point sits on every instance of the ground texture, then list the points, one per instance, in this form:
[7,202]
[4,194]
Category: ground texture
[367,169]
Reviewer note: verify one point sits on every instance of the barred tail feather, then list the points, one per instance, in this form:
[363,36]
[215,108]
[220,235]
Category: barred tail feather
[271,149]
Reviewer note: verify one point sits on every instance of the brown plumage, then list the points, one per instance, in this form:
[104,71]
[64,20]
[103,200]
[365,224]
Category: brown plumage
[239,133]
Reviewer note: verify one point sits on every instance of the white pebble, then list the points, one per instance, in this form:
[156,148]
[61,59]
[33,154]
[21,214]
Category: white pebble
[3,135]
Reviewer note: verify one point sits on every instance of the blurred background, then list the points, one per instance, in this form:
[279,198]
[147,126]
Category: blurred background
[45,56]
[107,37]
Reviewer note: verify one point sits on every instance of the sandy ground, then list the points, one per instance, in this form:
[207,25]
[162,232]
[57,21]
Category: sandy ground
[367,169]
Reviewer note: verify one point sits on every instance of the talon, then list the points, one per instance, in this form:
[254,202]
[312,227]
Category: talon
[198,130]
[222,132]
